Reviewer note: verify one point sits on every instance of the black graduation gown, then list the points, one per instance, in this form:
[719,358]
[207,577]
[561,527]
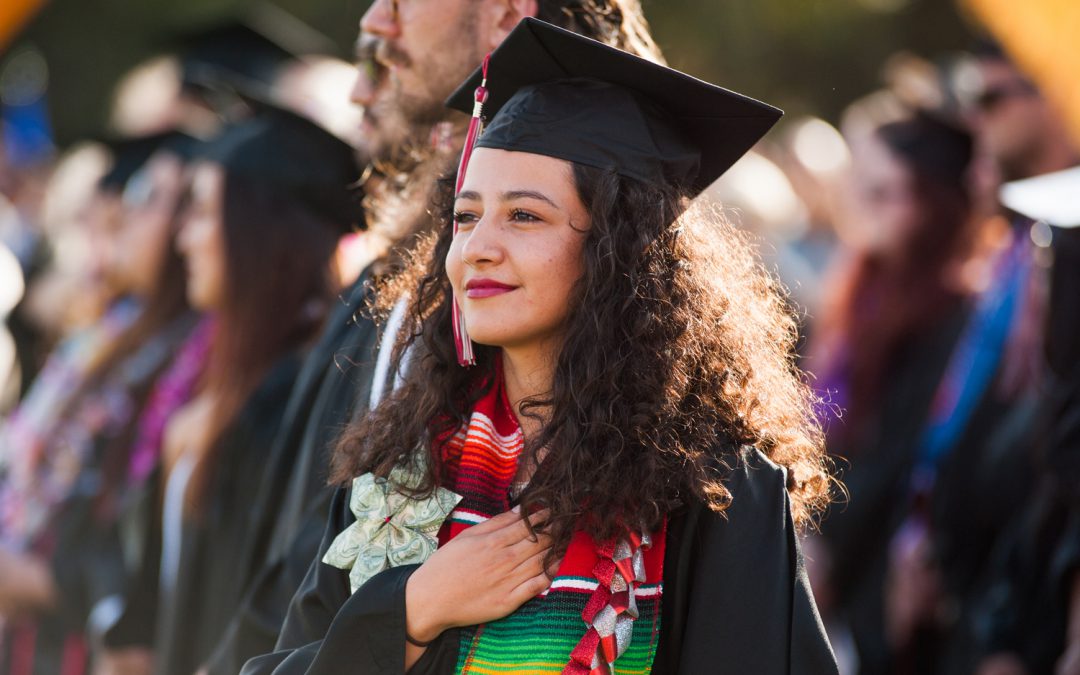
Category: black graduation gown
[978,483]
[981,485]
[1026,608]
[334,381]
[875,466]
[220,549]
[736,599]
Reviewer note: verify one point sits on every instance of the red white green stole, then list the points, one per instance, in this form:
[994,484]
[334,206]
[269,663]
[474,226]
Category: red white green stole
[601,614]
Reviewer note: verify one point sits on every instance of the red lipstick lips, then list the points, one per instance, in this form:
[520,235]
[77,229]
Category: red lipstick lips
[485,288]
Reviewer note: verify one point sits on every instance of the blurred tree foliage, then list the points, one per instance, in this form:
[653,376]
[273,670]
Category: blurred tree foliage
[809,56]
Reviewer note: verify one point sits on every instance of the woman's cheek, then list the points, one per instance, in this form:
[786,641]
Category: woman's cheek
[454,265]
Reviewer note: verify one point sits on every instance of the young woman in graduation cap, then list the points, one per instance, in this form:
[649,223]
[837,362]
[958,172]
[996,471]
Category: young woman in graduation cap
[269,200]
[601,451]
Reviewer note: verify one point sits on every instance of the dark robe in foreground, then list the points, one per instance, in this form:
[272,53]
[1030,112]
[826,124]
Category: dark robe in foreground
[875,465]
[219,549]
[979,479]
[334,381]
[735,599]
[1027,606]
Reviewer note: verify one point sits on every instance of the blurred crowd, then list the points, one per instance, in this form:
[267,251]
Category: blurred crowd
[188,323]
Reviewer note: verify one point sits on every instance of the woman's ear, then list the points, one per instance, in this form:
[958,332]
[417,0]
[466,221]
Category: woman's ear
[509,14]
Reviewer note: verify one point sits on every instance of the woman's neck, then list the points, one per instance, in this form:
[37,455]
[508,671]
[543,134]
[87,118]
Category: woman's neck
[528,373]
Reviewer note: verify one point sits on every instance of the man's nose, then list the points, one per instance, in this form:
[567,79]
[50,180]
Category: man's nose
[381,19]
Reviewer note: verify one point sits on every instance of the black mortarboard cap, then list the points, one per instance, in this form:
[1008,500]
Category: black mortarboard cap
[130,154]
[553,92]
[247,53]
[934,146]
[298,156]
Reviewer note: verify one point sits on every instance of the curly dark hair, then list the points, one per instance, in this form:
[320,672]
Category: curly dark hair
[678,350]
[619,23]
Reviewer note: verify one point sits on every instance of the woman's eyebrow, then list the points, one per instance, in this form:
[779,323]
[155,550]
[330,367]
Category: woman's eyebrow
[527,194]
[510,196]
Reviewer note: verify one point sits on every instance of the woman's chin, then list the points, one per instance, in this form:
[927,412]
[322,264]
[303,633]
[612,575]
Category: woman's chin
[486,340]
[492,338]
[198,300]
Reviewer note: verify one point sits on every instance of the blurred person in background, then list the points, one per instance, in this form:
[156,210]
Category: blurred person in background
[226,65]
[1031,615]
[1031,611]
[892,313]
[98,529]
[1016,127]
[62,429]
[12,289]
[977,460]
[56,299]
[37,321]
[269,200]
[107,284]
[411,56]
[974,461]
[27,160]
[330,383]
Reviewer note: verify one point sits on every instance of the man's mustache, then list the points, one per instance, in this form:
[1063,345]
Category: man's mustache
[389,54]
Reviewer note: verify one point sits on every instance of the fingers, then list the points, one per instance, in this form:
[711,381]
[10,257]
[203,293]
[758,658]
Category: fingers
[519,529]
[492,524]
[528,589]
[527,546]
[553,568]
[507,519]
[499,522]
[509,528]
[533,565]
[539,519]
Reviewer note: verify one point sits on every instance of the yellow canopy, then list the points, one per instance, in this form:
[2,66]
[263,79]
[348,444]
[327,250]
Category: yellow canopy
[1043,37]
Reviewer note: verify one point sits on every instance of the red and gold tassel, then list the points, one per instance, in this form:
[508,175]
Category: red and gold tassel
[462,342]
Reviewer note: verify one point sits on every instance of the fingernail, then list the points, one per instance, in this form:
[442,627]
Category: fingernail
[516,509]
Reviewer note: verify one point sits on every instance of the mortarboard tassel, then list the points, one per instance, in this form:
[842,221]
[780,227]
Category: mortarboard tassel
[462,342]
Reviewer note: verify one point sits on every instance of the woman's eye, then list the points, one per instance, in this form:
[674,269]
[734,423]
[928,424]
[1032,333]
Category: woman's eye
[464,218]
[520,216]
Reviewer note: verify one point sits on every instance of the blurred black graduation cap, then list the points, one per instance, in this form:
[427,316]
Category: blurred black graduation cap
[553,92]
[296,155]
[131,153]
[245,54]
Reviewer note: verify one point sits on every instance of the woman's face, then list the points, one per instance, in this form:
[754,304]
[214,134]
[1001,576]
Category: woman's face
[517,255]
[886,205]
[103,219]
[150,202]
[202,238]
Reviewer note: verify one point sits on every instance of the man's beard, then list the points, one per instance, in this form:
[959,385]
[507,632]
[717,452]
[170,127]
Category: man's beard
[418,112]
[398,143]
[444,66]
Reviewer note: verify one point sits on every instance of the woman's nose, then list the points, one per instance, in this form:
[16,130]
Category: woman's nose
[483,245]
